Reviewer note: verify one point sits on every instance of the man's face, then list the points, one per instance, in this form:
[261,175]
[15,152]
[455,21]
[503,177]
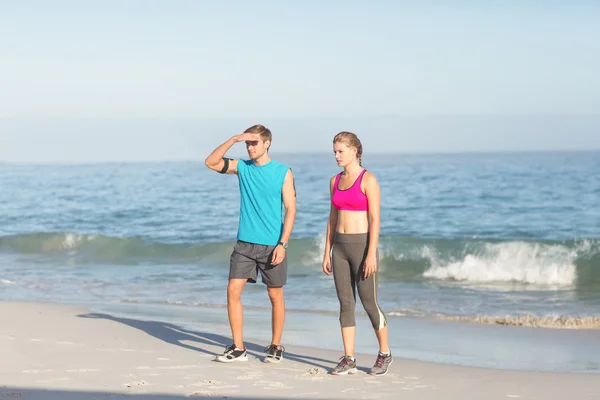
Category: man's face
[256,148]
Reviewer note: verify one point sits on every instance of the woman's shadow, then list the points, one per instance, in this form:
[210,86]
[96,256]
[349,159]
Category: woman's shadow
[177,335]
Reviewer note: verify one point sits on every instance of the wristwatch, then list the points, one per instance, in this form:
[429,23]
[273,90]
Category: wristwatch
[284,244]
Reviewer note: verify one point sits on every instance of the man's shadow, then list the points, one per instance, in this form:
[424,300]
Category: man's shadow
[177,335]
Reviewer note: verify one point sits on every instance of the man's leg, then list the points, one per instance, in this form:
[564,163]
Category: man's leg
[277,313]
[235,311]
[275,277]
[241,270]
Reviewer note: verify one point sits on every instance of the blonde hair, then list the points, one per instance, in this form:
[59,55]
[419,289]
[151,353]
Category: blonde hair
[351,140]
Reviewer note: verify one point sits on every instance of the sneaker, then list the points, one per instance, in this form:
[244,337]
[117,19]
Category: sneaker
[381,364]
[274,353]
[232,354]
[346,366]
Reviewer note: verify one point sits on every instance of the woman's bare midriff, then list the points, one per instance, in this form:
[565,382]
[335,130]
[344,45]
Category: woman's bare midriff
[352,222]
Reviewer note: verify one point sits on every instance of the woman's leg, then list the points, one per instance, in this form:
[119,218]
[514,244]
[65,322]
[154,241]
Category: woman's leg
[346,292]
[345,288]
[367,290]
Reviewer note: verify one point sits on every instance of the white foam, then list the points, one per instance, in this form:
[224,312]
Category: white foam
[315,258]
[530,263]
[7,282]
[72,240]
[546,321]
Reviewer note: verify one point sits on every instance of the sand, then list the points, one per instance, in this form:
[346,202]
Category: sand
[58,352]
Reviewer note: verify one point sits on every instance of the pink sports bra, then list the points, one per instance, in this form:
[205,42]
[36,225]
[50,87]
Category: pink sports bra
[351,199]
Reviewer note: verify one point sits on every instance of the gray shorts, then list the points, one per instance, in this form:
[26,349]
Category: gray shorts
[249,258]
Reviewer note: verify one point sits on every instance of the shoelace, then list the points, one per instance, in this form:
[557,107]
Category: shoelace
[229,348]
[343,361]
[380,360]
[274,347]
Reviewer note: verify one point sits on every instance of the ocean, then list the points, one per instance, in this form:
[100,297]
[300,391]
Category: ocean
[510,239]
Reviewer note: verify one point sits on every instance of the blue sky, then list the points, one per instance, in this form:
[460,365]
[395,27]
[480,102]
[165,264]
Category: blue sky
[397,70]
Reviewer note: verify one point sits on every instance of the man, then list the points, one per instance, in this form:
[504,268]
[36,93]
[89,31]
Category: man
[262,239]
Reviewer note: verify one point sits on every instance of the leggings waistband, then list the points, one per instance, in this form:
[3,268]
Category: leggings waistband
[351,237]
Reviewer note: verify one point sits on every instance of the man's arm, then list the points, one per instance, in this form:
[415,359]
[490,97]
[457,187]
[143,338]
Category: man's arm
[288,193]
[217,161]
[289,202]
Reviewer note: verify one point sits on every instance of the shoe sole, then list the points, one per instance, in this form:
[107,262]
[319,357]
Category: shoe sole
[385,370]
[349,372]
[272,360]
[231,360]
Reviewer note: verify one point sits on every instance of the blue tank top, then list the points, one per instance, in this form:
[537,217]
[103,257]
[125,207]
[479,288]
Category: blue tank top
[261,202]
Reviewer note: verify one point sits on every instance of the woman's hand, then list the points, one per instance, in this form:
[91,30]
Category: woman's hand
[370,266]
[327,264]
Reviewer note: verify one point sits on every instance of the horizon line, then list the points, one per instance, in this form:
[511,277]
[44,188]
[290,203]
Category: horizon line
[314,153]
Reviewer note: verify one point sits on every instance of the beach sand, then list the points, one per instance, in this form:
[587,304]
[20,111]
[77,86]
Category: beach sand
[58,352]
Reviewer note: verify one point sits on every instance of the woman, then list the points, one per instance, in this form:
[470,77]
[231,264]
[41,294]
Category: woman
[353,232]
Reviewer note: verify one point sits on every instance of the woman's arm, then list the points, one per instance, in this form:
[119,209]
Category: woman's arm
[331,225]
[373,196]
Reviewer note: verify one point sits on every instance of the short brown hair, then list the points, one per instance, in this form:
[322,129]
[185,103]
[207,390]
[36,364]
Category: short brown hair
[264,133]
[351,140]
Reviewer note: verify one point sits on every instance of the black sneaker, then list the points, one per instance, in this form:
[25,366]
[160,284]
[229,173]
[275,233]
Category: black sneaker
[274,353]
[232,354]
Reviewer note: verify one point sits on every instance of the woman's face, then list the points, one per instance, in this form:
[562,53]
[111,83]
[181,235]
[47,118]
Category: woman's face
[344,155]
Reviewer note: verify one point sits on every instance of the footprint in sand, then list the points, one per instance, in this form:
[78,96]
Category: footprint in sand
[180,367]
[372,380]
[136,383]
[249,376]
[314,374]
[82,370]
[205,394]
[208,382]
[270,385]
[315,371]
[36,371]
[215,385]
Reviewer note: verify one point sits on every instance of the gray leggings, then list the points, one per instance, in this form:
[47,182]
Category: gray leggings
[347,259]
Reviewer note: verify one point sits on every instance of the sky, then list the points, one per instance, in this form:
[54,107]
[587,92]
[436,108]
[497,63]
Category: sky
[169,80]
